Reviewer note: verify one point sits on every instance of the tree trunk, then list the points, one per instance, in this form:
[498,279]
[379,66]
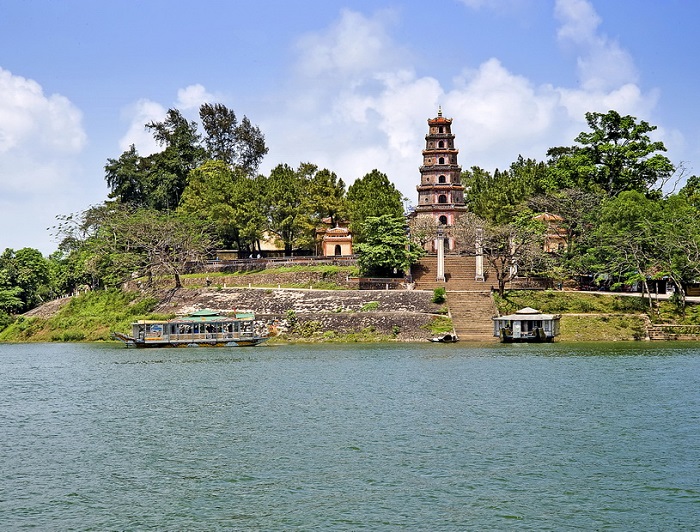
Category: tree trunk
[645,290]
[178,283]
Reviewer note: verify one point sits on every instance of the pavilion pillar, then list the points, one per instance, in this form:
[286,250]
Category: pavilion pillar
[479,256]
[440,255]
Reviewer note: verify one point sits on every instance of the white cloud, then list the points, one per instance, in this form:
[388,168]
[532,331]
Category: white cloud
[145,111]
[369,106]
[31,121]
[192,97]
[41,138]
[602,64]
[138,115]
[351,48]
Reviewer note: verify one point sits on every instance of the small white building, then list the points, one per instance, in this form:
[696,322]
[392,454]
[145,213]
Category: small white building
[526,325]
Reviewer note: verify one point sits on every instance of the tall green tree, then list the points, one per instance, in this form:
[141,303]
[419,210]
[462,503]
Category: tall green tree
[283,193]
[157,181]
[624,246]
[127,178]
[387,250]
[325,197]
[228,199]
[499,198]
[373,195]
[238,145]
[616,155]
[25,278]
[169,169]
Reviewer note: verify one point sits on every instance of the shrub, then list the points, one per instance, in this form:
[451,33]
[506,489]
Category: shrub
[307,328]
[439,295]
[369,306]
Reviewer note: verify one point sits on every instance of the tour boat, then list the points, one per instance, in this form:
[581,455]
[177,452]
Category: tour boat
[203,328]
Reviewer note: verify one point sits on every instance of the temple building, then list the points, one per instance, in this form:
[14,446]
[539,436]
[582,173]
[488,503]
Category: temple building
[440,193]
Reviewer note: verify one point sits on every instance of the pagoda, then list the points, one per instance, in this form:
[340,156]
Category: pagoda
[440,193]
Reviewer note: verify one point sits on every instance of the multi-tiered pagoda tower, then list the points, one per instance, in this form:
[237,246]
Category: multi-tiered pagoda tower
[440,193]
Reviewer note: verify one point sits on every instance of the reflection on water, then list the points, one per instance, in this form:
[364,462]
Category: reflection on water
[391,436]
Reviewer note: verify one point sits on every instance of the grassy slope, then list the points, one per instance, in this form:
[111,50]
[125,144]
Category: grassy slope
[89,317]
[608,317]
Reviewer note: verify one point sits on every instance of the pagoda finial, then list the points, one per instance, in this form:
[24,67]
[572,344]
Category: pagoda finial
[439,110]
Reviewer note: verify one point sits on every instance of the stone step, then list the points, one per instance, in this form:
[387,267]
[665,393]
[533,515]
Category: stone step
[471,315]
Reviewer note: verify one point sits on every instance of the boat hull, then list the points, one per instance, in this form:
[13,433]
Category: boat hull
[241,342]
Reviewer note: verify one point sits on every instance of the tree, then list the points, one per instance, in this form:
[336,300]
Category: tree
[373,195]
[283,194]
[676,244]
[325,197]
[615,156]
[423,229]
[506,247]
[25,280]
[127,178]
[115,243]
[624,247]
[387,249]
[499,197]
[168,170]
[157,181]
[238,145]
[691,191]
[228,199]
[220,125]
[577,209]
[251,148]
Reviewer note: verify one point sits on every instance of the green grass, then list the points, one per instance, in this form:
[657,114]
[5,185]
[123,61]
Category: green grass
[90,317]
[612,328]
[554,302]
[667,312]
[439,325]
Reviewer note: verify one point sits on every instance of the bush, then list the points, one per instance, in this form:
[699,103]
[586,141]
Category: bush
[370,306]
[439,295]
[5,319]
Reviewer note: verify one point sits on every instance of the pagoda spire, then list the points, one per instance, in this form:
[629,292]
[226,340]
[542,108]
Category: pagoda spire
[441,193]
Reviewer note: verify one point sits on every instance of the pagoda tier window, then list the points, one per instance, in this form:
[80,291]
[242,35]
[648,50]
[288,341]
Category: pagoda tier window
[441,129]
[441,160]
[441,179]
[442,198]
[441,144]
[443,220]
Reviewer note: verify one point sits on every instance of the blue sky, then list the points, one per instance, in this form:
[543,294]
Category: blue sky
[347,85]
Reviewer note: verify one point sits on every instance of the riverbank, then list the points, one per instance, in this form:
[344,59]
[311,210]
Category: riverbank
[296,314]
[311,315]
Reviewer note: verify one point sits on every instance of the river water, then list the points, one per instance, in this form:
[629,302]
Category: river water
[351,437]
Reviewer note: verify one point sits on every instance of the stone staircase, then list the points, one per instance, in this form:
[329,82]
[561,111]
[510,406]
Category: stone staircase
[470,302]
[460,273]
[471,315]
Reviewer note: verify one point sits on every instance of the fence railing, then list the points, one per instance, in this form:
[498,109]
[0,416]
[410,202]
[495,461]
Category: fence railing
[379,283]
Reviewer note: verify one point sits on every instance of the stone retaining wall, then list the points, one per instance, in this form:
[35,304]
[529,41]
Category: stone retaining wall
[402,312]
